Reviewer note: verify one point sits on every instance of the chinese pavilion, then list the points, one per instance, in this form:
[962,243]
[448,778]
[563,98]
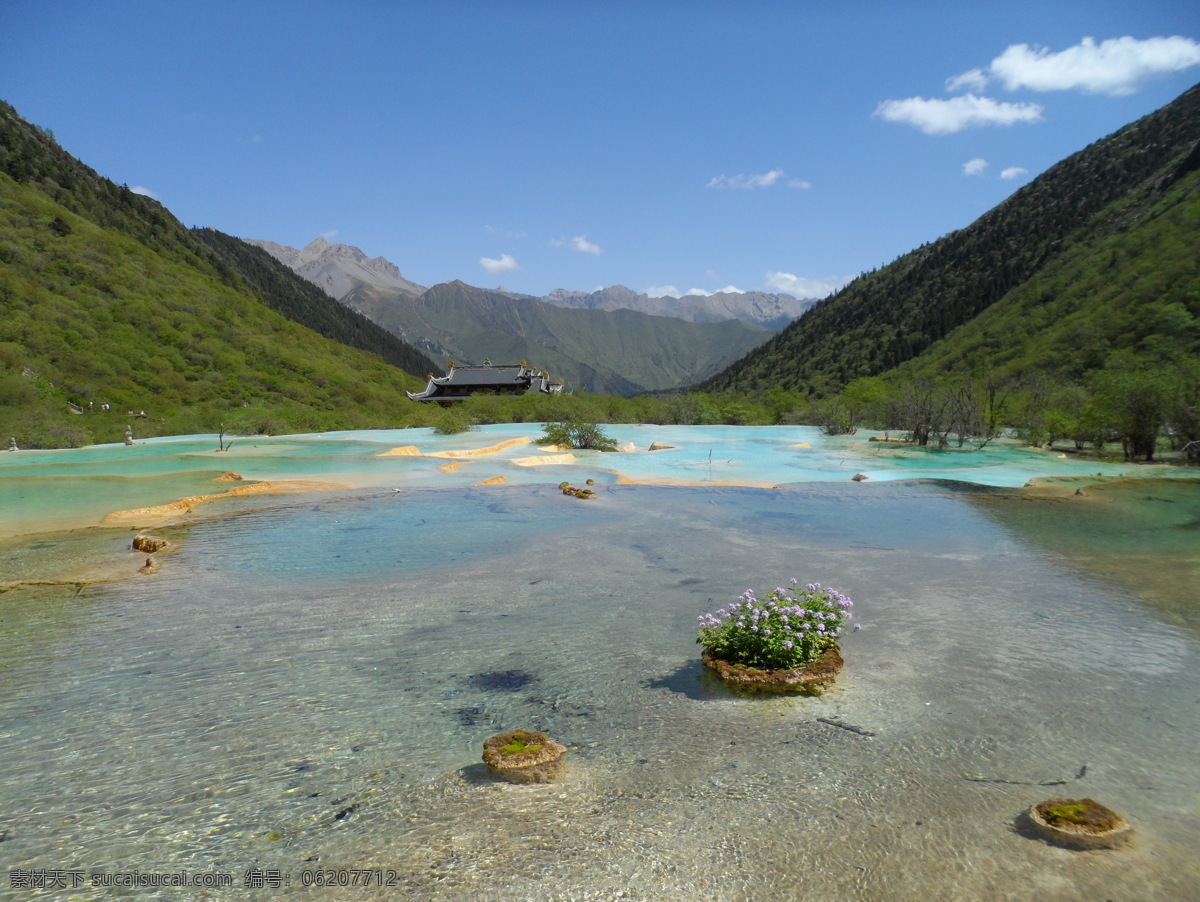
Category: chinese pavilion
[463,381]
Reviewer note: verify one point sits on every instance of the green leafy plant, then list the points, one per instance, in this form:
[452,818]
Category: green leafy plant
[577,434]
[786,629]
[1079,812]
[452,423]
[523,742]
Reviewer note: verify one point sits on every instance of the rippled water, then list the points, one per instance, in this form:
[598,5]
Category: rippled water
[307,683]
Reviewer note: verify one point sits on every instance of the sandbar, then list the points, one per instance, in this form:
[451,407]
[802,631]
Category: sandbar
[545,459]
[413,451]
[405,451]
[162,512]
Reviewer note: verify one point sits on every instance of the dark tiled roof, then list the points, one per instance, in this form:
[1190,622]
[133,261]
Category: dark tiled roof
[487,375]
[463,381]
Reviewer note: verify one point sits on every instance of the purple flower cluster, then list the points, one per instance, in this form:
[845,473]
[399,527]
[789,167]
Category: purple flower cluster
[787,628]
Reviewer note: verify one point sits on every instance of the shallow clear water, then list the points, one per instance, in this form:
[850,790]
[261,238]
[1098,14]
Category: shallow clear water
[305,683]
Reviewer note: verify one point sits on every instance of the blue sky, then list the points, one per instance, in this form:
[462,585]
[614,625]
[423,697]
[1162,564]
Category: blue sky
[665,146]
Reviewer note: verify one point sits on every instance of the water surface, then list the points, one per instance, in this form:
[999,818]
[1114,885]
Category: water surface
[307,682]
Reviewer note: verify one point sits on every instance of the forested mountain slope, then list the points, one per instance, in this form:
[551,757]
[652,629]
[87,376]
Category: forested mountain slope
[303,302]
[106,298]
[885,318]
[1132,292]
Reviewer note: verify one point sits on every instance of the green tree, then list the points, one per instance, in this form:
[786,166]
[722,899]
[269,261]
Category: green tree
[1130,398]
[577,434]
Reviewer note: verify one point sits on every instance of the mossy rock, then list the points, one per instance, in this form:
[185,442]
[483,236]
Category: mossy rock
[525,756]
[149,544]
[811,679]
[573,491]
[1078,824]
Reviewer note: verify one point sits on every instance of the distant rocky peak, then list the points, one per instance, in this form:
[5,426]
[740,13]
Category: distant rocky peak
[338,267]
[771,311]
[562,294]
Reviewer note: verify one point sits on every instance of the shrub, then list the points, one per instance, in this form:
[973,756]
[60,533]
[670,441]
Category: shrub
[452,423]
[577,434]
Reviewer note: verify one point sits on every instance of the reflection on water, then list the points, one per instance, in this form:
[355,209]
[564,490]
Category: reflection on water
[1141,535]
[306,684]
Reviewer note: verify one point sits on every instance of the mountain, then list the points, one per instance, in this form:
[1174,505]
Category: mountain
[1126,295]
[1024,252]
[106,298]
[620,352]
[770,311]
[339,268]
[303,302]
[606,346]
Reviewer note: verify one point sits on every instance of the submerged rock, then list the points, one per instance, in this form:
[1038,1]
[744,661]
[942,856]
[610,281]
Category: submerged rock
[585,494]
[149,544]
[811,679]
[525,756]
[1078,824]
[502,680]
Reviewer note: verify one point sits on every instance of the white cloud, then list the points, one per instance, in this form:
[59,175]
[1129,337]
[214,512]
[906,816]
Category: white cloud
[494,267]
[578,243]
[766,180]
[972,80]
[330,235]
[661,291]
[797,287]
[944,117]
[581,244]
[1013,172]
[975,166]
[144,191]
[1116,66]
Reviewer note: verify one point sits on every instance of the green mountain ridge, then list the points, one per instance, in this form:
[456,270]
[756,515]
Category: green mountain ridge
[1134,290]
[107,299]
[894,315]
